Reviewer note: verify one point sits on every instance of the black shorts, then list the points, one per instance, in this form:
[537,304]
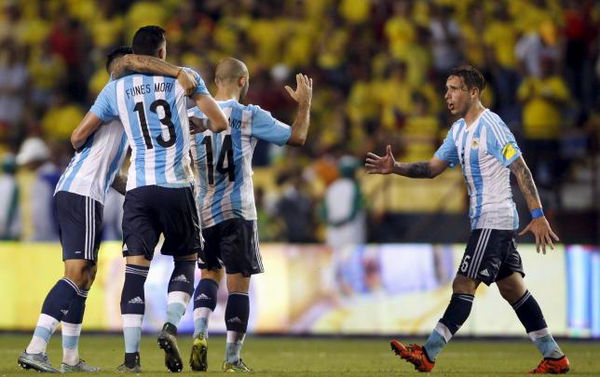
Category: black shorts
[232,244]
[491,255]
[79,225]
[149,211]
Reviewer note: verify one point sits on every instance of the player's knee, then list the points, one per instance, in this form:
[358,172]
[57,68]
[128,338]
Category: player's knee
[464,285]
[215,275]
[238,283]
[91,271]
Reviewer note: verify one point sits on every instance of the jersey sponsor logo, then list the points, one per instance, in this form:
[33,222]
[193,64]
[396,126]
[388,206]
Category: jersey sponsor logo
[508,151]
[136,300]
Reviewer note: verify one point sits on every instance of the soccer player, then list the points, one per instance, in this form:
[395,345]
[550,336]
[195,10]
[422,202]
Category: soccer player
[486,150]
[159,196]
[226,203]
[79,196]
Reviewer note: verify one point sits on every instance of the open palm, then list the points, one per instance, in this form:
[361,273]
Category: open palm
[380,164]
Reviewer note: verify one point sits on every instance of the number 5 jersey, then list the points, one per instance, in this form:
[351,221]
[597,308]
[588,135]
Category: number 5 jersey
[223,161]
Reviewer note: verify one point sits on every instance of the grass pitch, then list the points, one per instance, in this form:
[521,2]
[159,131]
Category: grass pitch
[280,356]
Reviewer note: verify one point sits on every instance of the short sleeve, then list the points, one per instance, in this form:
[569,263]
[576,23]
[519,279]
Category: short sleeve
[201,89]
[105,106]
[447,151]
[195,112]
[267,128]
[501,143]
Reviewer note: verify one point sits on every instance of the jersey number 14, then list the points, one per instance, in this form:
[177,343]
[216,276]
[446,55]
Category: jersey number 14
[226,152]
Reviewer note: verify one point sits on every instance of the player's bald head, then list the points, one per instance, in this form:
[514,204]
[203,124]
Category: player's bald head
[230,69]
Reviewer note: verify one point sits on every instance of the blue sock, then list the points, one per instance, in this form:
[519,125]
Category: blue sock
[181,288]
[132,308]
[455,315]
[55,307]
[236,320]
[530,315]
[71,329]
[205,302]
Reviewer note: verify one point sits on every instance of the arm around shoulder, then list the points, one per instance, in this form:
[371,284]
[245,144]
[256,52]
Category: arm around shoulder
[86,127]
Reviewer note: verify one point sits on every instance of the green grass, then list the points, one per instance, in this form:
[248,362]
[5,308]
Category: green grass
[319,357]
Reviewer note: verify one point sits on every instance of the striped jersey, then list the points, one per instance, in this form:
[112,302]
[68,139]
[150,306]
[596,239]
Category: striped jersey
[93,168]
[484,150]
[223,161]
[154,116]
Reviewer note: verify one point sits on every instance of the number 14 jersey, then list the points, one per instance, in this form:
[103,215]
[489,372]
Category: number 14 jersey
[223,161]
[153,112]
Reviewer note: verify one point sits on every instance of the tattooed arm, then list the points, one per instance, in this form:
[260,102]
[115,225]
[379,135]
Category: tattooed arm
[538,226]
[387,164]
[148,64]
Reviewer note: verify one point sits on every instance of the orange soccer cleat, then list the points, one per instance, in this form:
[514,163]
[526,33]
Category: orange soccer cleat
[552,366]
[414,354]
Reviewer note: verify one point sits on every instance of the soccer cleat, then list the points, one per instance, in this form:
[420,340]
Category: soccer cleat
[237,367]
[125,369]
[414,354]
[36,361]
[199,354]
[167,341]
[81,366]
[134,358]
[552,366]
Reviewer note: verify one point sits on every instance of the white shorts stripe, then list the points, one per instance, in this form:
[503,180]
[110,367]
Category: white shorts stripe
[477,262]
[475,253]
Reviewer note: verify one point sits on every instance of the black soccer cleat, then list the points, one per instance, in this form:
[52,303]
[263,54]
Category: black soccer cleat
[167,341]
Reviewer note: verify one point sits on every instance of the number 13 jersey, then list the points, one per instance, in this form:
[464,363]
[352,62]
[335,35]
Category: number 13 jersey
[223,161]
[153,112]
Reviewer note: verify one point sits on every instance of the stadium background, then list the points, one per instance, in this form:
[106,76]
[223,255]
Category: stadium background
[379,68]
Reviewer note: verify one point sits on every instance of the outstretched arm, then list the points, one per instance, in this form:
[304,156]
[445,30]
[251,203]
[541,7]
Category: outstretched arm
[387,165]
[149,64]
[303,96]
[539,226]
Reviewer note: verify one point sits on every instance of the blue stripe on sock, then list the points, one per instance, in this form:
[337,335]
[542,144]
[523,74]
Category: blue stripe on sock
[70,342]
[200,326]
[43,333]
[434,345]
[132,337]
[174,313]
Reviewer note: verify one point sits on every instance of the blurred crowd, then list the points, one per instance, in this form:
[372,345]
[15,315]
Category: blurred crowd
[379,68]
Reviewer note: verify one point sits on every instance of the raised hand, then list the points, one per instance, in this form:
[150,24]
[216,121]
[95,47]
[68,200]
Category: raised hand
[303,92]
[543,233]
[380,165]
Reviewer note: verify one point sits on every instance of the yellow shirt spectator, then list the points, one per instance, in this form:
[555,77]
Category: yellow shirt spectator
[355,11]
[541,99]
[59,121]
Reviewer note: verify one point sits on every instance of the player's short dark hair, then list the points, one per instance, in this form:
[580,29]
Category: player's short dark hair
[147,40]
[116,53]
[470,75]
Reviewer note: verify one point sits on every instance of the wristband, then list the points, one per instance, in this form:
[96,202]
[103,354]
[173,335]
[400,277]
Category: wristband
[538,212]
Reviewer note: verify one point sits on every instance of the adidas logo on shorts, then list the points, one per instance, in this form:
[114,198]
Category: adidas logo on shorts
[202,297]
[234,320]
[484,273]
[181,278]
[136,300]
[64,311]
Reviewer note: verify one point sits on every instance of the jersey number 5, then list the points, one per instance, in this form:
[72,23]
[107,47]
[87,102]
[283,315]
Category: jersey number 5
[166,120]
[226,152]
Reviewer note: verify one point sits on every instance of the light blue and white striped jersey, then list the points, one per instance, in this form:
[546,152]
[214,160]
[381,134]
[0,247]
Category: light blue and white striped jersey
[93,168]
[484,151]
[154,116]
[223,161]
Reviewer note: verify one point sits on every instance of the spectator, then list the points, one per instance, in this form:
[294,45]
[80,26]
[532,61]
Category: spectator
[13,85]
[34,156]
[343,207]
[10,222]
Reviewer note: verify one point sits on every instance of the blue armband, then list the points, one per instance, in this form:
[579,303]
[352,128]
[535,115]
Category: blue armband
[538,212]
